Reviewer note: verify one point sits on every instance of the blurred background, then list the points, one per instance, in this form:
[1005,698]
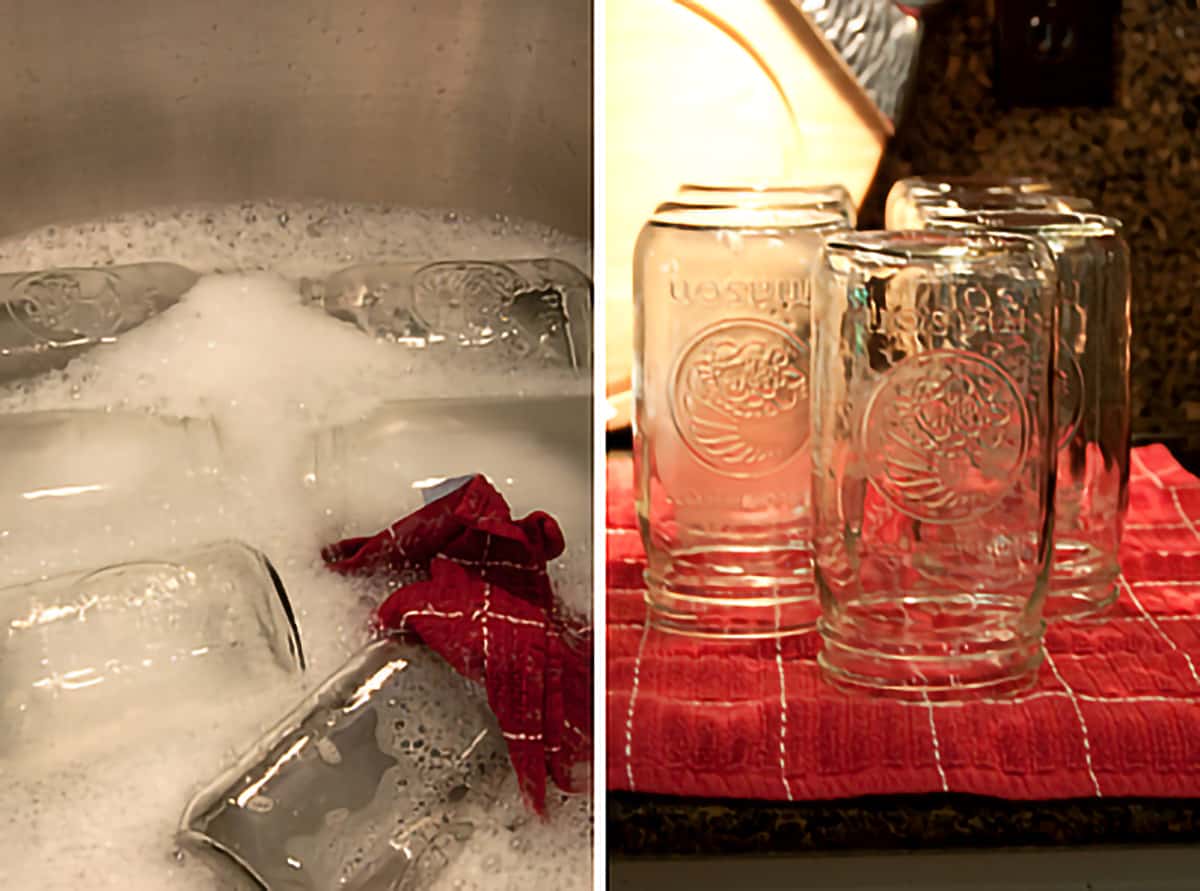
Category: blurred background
[1131,148]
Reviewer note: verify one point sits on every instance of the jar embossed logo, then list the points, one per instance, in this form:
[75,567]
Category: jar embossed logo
[478,303]
[945,435]
[464,300]
[739,397]
[64,307]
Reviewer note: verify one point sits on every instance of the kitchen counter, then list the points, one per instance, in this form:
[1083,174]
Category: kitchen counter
[658,826]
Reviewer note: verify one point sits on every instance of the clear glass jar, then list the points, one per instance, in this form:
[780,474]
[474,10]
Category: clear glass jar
[721,344]
[830,198]
[62,468]
[1093,398]
[366,473]
[52,316]
[927,209]
[535,312]
[933,460]
[133,644]
[904,200]
[374,781]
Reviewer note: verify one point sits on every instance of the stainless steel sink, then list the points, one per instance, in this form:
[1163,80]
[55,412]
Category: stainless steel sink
[469,104]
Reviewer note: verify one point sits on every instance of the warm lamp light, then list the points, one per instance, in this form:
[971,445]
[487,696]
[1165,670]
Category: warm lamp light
[719,92]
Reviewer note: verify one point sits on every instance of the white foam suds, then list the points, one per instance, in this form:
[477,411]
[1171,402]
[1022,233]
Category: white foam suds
[241,349]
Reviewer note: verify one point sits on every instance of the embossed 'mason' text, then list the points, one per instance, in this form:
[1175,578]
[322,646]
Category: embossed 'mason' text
[782,293]
[957,314]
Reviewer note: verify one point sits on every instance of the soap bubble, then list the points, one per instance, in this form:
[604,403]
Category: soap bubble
[242,348]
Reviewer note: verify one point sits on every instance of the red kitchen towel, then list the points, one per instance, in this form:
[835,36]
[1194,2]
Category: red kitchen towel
[1115,712]
[484,602]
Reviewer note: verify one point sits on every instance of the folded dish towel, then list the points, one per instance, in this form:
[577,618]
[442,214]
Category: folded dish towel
[485,603]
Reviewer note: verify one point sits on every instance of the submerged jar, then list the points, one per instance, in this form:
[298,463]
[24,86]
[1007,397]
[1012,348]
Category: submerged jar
[64,468]
[51,316]
[375,781]
[721,386]
[537,312]
[933,460]
[1093,398]
[88,655]
[538,454]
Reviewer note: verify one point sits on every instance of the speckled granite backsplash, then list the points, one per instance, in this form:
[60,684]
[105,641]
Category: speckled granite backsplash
[1138,160]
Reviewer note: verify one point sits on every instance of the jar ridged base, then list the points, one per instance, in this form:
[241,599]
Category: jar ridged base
[1083,582]
[946,649]
[723,609]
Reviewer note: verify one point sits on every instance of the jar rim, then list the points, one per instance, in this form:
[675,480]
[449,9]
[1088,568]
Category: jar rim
[982,182]
[917,245]
[941,202]
[757,218]
[832,190]
[1028,221]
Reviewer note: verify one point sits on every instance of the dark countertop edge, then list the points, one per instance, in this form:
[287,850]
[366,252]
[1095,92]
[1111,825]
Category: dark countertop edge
[1184,445]
[641,825]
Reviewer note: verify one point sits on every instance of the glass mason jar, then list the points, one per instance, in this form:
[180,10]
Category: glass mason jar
[54,315]
[374,781]
[927,209]
[535,312]
[831,198]
[907,195]
[63,469]
[138,644]
[933,459]
[368,472]
[721,344]
[1093,398]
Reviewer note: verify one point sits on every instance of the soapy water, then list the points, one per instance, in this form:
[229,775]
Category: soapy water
[242,349]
